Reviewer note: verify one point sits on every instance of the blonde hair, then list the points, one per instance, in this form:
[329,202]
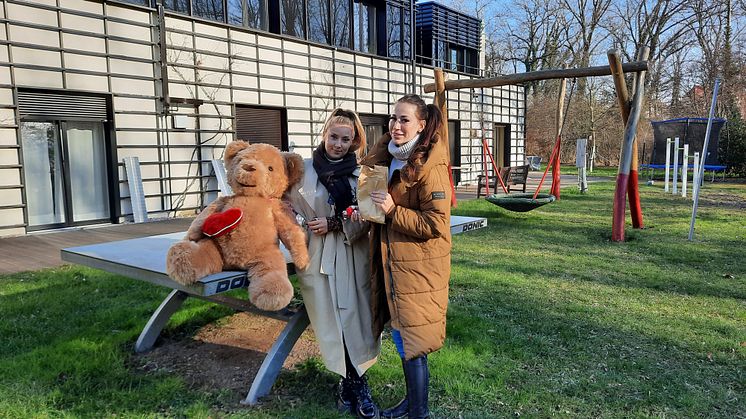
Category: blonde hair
[348,118]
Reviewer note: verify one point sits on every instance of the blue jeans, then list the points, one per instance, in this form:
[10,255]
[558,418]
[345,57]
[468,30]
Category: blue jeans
[396,337]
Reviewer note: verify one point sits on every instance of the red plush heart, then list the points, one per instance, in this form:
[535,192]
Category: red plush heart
[222,223]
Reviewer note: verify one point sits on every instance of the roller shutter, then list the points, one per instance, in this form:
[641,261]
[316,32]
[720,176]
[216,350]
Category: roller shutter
[261,125]
[61,106]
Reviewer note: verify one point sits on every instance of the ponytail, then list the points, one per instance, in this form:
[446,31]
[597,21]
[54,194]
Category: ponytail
[428,136]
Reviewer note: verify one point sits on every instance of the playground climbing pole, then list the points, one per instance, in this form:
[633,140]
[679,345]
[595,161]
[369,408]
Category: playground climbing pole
[627,174]
[559,120]
[440,103]
[632,188]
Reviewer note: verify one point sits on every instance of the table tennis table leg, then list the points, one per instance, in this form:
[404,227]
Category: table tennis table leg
[276,356]
[159,319]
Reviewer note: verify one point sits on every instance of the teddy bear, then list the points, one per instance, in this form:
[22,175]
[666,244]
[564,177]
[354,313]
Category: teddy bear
[241,231]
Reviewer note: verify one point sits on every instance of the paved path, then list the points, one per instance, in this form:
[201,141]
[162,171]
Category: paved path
[566,181]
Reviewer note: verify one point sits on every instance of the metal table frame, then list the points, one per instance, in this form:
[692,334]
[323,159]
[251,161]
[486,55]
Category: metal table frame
[145,259]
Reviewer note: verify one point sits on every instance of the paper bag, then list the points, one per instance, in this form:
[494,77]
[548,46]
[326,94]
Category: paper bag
[371,179]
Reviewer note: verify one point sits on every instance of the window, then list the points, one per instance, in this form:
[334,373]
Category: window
[292,18]
[440,54]
[319,29]
[364,27]
[406,34]
[459,58]
[453,59]
[235,12]
[341,23]
[209,9]
[249,13]
[375,126]
[393,27]
[139,2]
[256,14]
[398,32]
[181,6]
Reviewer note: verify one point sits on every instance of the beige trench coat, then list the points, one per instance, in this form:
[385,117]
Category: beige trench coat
[335,286]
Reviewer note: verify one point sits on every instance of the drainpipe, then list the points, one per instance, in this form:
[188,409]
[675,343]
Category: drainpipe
[412,45]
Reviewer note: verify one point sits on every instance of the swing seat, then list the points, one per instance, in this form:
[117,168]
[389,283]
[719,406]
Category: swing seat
[520,202]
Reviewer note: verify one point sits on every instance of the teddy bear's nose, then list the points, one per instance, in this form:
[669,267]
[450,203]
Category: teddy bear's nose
[249,167]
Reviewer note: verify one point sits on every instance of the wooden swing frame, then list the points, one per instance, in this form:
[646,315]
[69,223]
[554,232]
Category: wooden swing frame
[630,112]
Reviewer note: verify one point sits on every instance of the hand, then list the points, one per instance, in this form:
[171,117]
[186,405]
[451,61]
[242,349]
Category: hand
[352,213]
[383,200]
[318,226]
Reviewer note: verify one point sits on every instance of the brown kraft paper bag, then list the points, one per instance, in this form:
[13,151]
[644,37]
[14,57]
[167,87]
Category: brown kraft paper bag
[371,179]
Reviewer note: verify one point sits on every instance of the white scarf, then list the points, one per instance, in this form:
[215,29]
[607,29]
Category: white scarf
[401,154]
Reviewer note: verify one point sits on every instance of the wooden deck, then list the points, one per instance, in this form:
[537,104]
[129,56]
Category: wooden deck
[42,250]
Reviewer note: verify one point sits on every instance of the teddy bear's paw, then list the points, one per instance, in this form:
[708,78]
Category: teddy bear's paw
[301,261]
[179,262]
[271,292]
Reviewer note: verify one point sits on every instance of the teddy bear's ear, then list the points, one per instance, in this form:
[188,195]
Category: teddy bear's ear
[233,148]
[294,167]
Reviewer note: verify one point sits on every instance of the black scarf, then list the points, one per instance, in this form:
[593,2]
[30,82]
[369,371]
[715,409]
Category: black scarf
[333,175]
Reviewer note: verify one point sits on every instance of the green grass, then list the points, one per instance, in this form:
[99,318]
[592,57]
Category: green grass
[548,318]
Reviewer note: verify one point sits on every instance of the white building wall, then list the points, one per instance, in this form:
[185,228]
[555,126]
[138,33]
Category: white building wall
[112,48]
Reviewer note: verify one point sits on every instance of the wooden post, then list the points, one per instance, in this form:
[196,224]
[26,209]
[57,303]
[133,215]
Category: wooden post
[441,103]
[620,85]
[564,73]
[625,161]
[559,118]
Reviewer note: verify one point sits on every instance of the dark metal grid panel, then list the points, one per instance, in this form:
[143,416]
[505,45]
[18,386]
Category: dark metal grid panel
[448,25]
[61,106]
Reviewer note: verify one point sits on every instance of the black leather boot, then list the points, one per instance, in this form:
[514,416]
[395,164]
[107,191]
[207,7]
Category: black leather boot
[365,407]
[345,397]
[400,410]
[417,375]
[414,405]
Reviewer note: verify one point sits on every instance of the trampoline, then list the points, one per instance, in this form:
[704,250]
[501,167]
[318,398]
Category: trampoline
[520,202]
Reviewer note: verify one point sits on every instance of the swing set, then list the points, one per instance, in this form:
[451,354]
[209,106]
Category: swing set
[630,112]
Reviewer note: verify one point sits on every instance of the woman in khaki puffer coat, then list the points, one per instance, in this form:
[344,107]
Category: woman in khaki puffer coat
[411,252]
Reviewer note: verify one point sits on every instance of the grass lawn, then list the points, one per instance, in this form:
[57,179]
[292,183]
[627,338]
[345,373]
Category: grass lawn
[548,318]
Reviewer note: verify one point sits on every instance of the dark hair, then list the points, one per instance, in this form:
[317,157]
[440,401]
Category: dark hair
[433,118]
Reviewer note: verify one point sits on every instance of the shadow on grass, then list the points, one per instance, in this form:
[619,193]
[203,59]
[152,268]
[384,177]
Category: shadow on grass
[561,358]
[67,343]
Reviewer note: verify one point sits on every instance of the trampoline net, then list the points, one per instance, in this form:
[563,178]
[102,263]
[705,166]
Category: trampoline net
[690,131]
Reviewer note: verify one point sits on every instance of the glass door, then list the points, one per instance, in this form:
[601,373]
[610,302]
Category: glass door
[66,174]
[86,170]
[42,167]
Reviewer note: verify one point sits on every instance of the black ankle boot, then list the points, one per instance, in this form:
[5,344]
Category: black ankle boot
[345,397]
[365,407]
[417,375]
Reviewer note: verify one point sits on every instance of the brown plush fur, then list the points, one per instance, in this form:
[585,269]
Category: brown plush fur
[259,175]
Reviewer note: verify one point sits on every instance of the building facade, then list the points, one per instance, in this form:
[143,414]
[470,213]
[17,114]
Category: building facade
[85,84]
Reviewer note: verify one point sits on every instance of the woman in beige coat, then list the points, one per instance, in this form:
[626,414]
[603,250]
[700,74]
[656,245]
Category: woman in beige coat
[335,286]
[412,250]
